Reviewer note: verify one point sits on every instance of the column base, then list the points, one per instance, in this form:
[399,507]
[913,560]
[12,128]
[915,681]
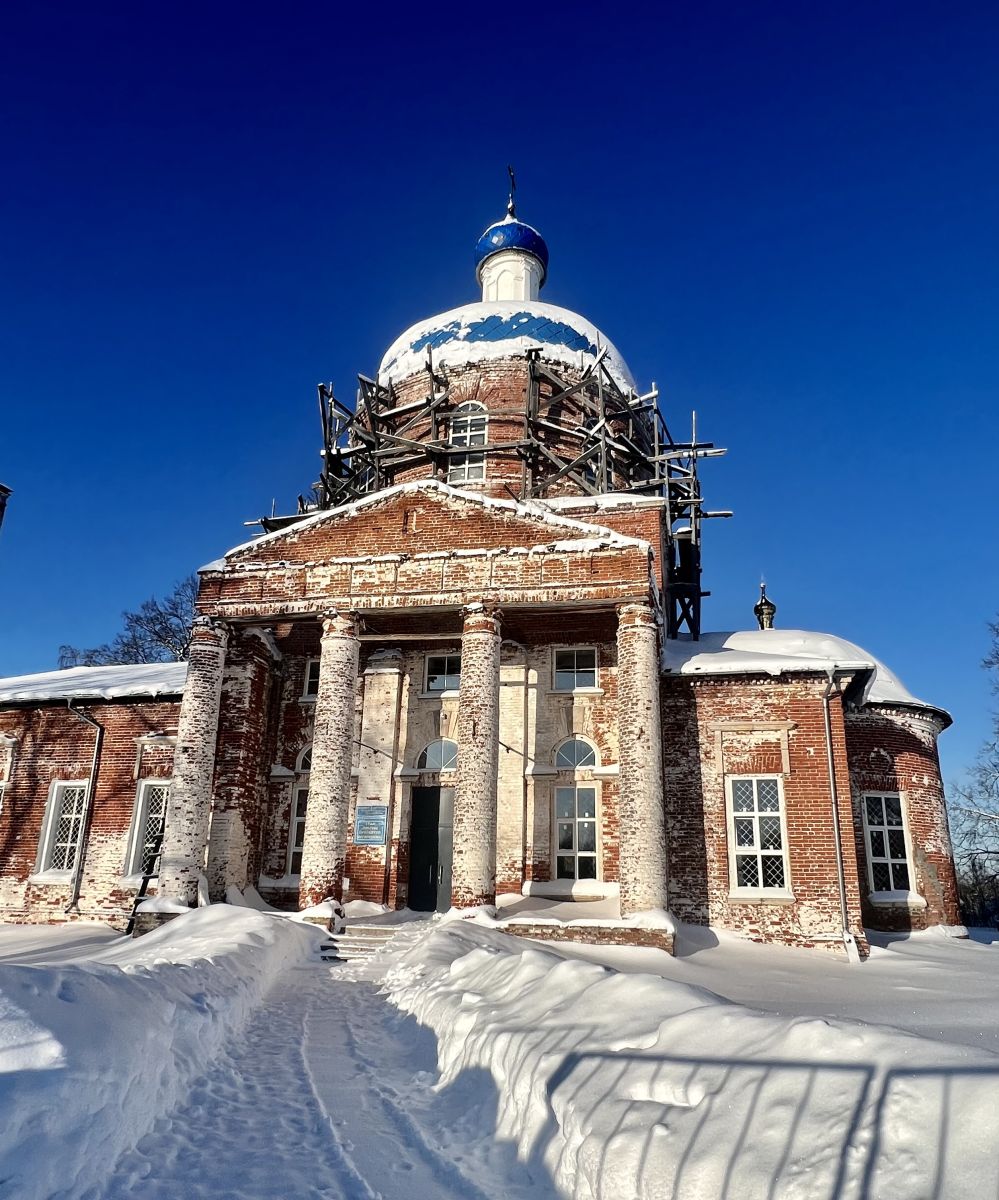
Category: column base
[149,922]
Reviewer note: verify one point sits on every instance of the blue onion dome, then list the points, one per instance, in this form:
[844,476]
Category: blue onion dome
[511,234]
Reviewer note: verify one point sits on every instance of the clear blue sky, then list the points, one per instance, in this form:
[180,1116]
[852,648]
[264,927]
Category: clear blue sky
[785,214]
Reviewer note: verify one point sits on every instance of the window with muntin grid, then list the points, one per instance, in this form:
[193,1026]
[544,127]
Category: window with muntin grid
[887,855]
[443,672]
[310,689]
[150,816]
[757,838]
[469,427]
[575,669]
[576,832]
[68,805]
[296,831]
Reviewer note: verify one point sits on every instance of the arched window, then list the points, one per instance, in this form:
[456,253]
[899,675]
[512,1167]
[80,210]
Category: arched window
[299,807]
[441,755]
[468,428]
[575,814]
[575,753]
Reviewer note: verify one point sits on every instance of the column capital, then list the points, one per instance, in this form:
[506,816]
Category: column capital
[485,610]
[636,613]
[204,628]
[338,622]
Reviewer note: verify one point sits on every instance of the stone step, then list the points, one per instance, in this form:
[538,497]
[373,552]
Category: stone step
[340,955]
[351,944]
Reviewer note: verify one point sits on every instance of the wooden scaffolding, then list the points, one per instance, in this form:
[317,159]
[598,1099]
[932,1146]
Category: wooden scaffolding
[583,433]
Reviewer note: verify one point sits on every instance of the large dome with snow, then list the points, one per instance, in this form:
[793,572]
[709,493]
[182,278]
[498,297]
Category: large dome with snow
[487,330]
[511,265]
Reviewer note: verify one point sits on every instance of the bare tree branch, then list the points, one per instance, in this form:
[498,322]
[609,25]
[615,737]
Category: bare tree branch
[158,631]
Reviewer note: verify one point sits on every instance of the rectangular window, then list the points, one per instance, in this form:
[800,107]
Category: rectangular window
[468,428]
[443,672]
[576,832]
[150,817]
[575,669]
[757,837]
[887,856]
[67,807]
[296,831]
[311,689]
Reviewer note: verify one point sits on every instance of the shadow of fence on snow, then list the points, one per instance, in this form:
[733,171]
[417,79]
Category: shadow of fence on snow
[656,1124]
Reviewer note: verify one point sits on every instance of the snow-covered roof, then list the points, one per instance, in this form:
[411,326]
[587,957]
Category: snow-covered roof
[486,330]
[96,683]
[785,652]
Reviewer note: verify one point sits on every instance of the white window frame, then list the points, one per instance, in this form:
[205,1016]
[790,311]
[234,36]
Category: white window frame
[576,777]
[584,741]
[460,433]
[574,781]
[45,846]
[309,694]
[585,689]
[134,858]
[442,769]
[882,895]
[295,818]
[8,747]
[427,689]
[762,892]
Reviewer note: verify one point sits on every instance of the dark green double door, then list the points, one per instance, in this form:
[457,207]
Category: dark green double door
[430,849]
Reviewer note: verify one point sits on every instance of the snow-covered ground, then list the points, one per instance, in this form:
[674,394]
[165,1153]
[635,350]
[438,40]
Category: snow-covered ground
[221,1057]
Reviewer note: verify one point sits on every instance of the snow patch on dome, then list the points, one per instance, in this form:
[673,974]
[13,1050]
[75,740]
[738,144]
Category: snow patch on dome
[479,332]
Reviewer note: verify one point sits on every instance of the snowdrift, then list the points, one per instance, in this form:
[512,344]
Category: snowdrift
[633,1086]
[92,1052]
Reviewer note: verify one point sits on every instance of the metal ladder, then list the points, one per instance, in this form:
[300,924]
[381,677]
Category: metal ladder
[150,870]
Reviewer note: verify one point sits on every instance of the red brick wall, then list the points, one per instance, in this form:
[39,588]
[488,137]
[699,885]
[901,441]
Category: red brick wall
[895,750]
[501,385]
[53,744]
[697,825]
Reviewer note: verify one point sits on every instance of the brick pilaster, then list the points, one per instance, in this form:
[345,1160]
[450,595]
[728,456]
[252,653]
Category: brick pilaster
[186,835]
[325,848]
[473,879]
[640,783]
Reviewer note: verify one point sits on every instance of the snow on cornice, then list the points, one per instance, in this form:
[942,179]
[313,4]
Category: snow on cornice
[604,500]
[533,511]
[96,683]
[786,652]
[489,330]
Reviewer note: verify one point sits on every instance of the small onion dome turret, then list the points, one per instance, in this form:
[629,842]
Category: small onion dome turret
[511,234]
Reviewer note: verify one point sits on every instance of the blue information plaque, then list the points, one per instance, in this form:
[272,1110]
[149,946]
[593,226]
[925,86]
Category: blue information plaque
[370,825]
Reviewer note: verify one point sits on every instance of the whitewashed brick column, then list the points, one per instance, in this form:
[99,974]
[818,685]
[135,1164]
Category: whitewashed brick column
[185,838]
[473,879]
[640,781]
[239,766]
[325,847]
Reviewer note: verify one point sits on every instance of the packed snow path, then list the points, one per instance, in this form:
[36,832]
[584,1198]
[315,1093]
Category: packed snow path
[318,1099]
[219,1057]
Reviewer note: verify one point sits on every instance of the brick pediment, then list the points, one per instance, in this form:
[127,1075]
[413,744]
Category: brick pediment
[417,519]
[425,545]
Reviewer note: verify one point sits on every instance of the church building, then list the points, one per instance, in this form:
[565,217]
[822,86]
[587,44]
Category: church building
[472,667]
